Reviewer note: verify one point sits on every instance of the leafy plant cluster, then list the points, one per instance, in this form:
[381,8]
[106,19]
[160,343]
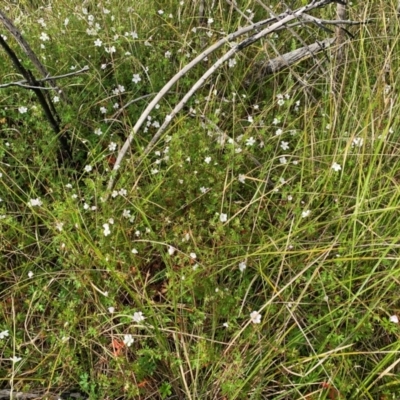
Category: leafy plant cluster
[253,253]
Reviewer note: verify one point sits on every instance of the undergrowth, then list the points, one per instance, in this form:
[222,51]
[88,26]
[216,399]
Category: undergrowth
[253,253]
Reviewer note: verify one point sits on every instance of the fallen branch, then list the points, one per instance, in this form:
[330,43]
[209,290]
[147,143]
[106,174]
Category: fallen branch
[25,83]
[28,51]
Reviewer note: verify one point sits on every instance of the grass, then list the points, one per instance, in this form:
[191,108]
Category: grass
[224,217]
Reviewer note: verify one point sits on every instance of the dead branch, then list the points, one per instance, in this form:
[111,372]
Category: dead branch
[25,84]
[28,51]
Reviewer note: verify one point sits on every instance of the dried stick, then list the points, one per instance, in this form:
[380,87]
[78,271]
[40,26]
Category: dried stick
[25,84]
[28,51]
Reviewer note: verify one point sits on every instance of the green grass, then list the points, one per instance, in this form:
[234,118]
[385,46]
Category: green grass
[320,246]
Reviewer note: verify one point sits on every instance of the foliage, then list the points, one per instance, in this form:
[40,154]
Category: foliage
[254,251]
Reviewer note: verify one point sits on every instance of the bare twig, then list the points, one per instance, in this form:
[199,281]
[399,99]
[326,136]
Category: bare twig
[28,51]
[25,83]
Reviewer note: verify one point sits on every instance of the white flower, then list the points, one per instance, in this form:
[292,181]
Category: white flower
[357,142]
[225,325]
[276,121]
[112,146]
[232,62]
[126,213]
[394,319]
[30,274]
[284,145]
[88,168]
[207,160]
[168,54]
[98,132]
[136,78]
[35,202]
[15,359]
[138,317]
[250,142]
[223,217]
[134,251]
[336,167]
[241,178]
[305,213]
[103,110]
[44,37]
[171,250]
[160,12]
[110,49]
[255,317]
[22,109]
[56,99]
[111,310]
[192,255]
[283,160]
[203,189]
[242,266]
[278,132]
[128,340]
[106,231]
[210,21]
[4,334]
[98,43]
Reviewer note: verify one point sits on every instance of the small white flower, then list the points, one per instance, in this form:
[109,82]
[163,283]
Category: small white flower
[203,189]
[35,202]
[134,251]
[223,217]
[110,50]
[4,334]
[44,37]
[283,160]
[242,266]
[278,132]
[168,118]
[112,146]
[160,12]
[138,317]
[255,317]
[250,141]
[111,310]
[357,142]
[22,109]
[336,167]
[284,145]
[167,54]
[136,78]
[394,319]
[225,325]
[193,256]
[126,213]
[241,178]
[210,21]
[30,274]
[103,110]
[15,359]
[106,230]
[232,62]
[171,250]
[88,168]
[56,99]
[128,340]
[207,160]
[276,121]
[98,43]
[98,132]
[305,213]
